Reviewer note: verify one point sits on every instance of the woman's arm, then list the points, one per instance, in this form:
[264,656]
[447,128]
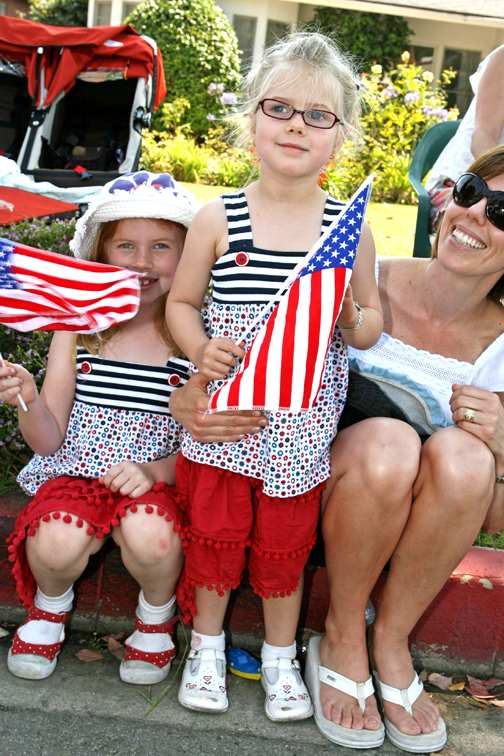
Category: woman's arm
[488,425]
[189,405]
[183,308]
[489,106]
[44,425]
[363,289]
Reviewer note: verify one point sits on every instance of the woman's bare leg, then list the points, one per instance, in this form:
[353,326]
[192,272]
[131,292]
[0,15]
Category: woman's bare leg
[373,466]
[451,496]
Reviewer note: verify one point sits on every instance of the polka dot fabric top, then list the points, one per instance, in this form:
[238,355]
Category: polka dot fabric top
[100,436]
[291,456]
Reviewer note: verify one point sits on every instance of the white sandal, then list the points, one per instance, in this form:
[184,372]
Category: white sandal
[203,686]
[287,699]
[336,733]
[424,742]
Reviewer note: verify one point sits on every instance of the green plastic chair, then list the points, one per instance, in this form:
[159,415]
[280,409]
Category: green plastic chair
[429,148]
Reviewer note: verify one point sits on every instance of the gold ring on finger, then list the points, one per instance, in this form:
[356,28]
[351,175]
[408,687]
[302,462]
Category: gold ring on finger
[470,414]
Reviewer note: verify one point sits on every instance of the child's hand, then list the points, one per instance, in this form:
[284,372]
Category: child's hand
[217,356]
[15,381]
[349,316]
[129,478]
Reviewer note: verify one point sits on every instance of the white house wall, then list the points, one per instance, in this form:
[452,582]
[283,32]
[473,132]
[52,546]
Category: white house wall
[428,32]
[263,11]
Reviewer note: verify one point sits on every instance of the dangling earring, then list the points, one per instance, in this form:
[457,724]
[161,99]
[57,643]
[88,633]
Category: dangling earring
[323,172]
[256,159]
[501,300]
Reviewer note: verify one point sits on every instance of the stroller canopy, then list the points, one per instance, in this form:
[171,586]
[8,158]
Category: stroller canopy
[53,56]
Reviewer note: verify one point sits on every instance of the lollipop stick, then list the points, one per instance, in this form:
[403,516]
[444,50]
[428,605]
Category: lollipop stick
[21,400]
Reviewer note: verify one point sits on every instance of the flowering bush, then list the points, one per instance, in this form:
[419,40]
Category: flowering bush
[199,46]
[27,349]
[400,106]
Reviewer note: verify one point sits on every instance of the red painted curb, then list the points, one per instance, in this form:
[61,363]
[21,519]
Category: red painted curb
[463,626]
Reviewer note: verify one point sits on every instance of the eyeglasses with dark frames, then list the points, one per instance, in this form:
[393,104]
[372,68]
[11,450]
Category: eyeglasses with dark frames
[470,189]
[319,119]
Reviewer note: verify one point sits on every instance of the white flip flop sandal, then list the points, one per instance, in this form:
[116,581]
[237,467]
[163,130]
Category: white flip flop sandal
[424,742]
[203,686]
[287,699]
[344,736]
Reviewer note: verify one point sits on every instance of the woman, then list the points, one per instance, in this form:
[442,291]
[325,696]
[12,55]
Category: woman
[420,506]
[443,317]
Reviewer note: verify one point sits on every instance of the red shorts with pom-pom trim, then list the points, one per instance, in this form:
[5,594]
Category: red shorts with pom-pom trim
[97,509]
[228,512]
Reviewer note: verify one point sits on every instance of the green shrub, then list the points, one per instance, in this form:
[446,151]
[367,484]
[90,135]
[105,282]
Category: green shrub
[400,107]
[368,36]
[199,48]
[213,162]
[59,12]
[27,349]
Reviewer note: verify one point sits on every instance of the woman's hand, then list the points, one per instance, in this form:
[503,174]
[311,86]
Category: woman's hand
[189,406]
[488,422]
[16,381]
[129,478]
[216,356]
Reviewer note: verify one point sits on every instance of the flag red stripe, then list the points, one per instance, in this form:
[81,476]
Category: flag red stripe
[315,310]
[55,297]
[234,387]
[25,276]
[286,375]
[58,259]
[261,364]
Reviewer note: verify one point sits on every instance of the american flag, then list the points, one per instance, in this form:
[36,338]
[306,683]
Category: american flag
[44,291]
[285,362]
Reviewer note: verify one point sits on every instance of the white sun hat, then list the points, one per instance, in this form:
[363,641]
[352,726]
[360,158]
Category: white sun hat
[134,195]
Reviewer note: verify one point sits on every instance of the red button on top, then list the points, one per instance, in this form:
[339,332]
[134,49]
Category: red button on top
[174,380]
[86,367]
[242,258]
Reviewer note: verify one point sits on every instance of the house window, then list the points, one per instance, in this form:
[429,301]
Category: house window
[102,13]
[245,30]
[3,9]
[128,8]
[275,30]
[465,63]
[422,56]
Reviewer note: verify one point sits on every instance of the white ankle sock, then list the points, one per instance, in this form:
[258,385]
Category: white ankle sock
[199,641]
[152,615]
[155,615]
[54,604]
[42,632]
[271,653]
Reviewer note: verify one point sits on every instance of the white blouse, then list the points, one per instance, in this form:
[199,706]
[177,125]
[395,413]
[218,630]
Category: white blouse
[420,382]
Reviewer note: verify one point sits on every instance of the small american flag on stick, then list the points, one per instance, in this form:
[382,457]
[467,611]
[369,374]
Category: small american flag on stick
[284,365]
[44,291]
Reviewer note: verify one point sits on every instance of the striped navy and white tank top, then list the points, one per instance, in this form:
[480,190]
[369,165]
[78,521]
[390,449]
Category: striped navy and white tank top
[248,275]
[126,385]
[120,413]
[291,455]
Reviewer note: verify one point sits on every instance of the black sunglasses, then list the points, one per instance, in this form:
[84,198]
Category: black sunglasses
[470,189]
[319,119]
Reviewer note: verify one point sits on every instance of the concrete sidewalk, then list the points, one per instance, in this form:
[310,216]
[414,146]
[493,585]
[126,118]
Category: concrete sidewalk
[84,708]
[462,631]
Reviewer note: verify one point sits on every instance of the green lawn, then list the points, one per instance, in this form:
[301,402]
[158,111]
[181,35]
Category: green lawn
[393,225]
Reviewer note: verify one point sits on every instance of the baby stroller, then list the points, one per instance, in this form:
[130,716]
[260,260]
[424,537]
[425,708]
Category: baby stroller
[74,101]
